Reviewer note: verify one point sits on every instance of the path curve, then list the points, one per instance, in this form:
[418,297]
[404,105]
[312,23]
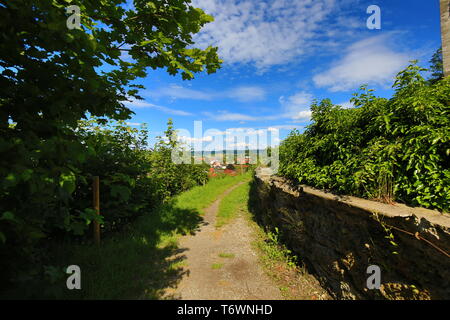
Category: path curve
[240,278]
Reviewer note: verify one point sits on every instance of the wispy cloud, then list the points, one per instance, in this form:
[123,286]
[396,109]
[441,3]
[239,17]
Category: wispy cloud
[230,116]
[241,93]
[246,93]
[136,104]
[179,92]
[371,61]
[268,33]
[189,140]
[295,107]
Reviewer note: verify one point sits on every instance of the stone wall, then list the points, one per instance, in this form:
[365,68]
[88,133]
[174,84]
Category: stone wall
[339,237]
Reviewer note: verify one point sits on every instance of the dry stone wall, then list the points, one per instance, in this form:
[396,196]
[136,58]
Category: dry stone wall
[339,237]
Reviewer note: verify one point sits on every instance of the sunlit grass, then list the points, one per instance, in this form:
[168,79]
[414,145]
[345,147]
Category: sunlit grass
[231,204]
[199,197]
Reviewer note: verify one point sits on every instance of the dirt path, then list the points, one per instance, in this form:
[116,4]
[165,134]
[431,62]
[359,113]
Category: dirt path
[238,276]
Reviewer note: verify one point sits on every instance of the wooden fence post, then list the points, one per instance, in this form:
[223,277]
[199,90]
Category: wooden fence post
[96,204]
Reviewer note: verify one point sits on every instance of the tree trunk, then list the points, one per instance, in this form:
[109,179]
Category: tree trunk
[445,35]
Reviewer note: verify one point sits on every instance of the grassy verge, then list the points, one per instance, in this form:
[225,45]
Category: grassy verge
[290,275]
[294,282]
[199,197]
[232,204]
[140,262]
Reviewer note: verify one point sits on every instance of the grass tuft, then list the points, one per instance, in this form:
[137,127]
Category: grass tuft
[217,266]
[226,255]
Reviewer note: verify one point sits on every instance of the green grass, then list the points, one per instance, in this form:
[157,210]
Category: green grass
[284,267]
[226,255]
[136,263]
[274,251]
[217,266]
[276,259]
[199,197]
[232,203]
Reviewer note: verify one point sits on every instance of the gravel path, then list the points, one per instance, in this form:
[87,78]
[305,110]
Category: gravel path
[209,276]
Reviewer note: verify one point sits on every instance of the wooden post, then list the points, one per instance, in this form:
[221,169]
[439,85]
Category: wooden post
[96,204]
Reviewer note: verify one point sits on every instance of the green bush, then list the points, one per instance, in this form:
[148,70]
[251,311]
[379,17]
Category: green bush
[134,179]
[387,149]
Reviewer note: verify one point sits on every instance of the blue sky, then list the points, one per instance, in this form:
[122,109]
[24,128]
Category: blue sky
[280,55]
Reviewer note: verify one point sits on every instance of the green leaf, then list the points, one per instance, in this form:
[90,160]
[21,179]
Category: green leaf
[36,234]
[78,228]
[8,216]
[120,191]
[68,182]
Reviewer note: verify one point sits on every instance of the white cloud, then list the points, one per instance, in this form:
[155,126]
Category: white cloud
[136,104]
[346,105]
[179,92]
[286,127]
[242,93]
[370,61]
[270,33]
[189,140]
[242,145]
[245,94]
[297,106]
[230,116]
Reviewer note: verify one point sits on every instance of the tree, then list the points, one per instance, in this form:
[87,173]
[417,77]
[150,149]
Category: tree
[172,178]
[52,76]
[436,66]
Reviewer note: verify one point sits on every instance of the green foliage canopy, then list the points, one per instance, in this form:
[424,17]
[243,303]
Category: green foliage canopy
[437,66]
[52,76]
[387,149]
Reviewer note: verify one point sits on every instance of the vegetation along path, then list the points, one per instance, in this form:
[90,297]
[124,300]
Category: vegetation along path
[202,244]
[221,263]
[231,257]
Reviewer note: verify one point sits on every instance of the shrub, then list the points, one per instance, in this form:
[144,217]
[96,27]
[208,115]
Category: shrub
[388,149]
[133,180]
